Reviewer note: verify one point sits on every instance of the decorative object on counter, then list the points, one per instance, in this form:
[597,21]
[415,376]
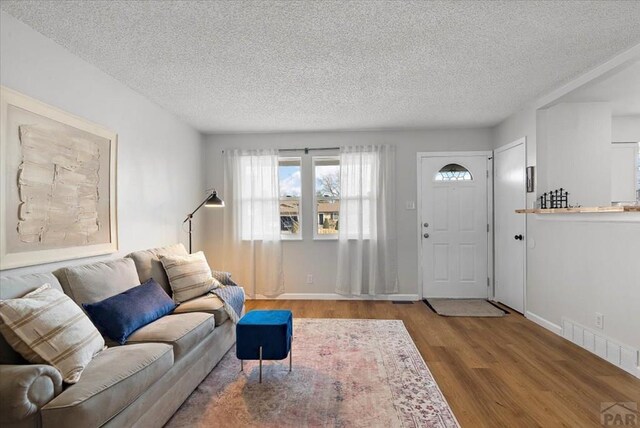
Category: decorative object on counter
[558,198]
[531,170]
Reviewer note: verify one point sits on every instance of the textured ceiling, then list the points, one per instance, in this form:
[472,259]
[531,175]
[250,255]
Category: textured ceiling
[317,65]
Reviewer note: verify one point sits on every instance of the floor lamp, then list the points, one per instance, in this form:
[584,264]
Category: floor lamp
[212,201]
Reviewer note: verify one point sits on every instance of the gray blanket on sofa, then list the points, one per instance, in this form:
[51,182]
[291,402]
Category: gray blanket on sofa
[231,295]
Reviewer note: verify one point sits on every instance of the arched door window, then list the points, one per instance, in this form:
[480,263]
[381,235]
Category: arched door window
[453,172]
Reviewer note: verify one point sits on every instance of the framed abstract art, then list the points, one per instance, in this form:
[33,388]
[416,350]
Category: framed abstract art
[58,184]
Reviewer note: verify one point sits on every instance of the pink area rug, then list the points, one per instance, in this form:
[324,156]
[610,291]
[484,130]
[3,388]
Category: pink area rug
[346,373]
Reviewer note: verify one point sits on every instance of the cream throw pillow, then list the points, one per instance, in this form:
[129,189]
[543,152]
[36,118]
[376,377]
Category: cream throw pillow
[189,276]
[54,328]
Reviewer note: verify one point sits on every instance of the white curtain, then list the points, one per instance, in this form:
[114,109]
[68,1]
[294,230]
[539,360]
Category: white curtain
[253,252]
[367,242]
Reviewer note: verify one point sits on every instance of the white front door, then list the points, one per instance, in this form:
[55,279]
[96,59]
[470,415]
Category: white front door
[510,195]
[453,225]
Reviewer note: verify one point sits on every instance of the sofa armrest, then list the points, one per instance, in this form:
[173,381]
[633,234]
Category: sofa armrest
[25,388]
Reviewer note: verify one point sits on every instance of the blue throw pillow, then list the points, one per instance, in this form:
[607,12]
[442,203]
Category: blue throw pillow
[117,317]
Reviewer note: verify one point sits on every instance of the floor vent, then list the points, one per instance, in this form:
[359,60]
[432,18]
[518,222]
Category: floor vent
[402,302]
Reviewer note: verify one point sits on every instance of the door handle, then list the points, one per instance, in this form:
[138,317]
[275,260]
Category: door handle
[426,235]
[518,237]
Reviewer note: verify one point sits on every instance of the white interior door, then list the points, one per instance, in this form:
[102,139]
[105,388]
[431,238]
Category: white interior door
[510,194]
[453,226]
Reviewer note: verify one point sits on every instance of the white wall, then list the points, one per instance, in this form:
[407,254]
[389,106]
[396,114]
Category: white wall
[319,257]
[574,151]
[625,176]
[579,264]
[625,129]
[159,166]
[624,171]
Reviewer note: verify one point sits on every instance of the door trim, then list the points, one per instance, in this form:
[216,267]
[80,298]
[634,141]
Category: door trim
[489,156]
[523,141]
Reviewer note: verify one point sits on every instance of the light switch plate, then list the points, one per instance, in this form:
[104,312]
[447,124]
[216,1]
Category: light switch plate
[410,205]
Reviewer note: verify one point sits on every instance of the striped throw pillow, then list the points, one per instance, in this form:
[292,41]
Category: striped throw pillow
[189,276]
[53,327]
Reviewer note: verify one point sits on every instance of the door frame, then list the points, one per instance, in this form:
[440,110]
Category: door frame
[489,157]
[523,141]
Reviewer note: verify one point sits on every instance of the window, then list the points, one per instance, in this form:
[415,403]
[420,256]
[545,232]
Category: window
[326,182]
[360,171]
[255,194]
[289,174]
[453,172]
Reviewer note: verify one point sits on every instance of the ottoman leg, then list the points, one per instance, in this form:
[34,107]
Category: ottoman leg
[260,365]
[241,365]
[290,353]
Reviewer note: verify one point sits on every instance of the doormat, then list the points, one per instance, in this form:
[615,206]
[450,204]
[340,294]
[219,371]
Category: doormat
[465,308]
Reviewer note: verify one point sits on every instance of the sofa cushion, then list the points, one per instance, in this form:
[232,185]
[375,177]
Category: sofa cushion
[189,276]
[113,380]
[97,281]
[183,331]
[120,315]
[209,303]
[53,327]
[17,286]
[148,263]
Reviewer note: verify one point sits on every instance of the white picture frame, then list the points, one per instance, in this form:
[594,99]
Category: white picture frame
[16,112]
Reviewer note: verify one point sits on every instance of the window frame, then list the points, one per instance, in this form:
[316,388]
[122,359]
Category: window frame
[298,236]
[452,180]
[317,236]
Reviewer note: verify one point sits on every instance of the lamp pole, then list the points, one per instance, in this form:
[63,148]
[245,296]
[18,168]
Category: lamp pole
[190,244]
[211,200]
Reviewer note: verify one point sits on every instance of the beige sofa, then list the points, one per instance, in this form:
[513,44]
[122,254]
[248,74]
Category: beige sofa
[141,383]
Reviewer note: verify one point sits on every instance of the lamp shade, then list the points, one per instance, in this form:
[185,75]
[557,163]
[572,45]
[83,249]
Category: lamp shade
[214,200]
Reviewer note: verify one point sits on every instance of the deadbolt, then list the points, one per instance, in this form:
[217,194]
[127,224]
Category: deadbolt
[426,235]
[426,225]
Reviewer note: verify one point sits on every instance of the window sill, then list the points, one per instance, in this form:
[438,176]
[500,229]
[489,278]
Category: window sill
[290,238]
[325,238]
[320,238]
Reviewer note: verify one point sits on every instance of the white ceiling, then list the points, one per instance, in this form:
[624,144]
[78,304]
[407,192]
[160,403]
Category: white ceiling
[621,89]
[312,65]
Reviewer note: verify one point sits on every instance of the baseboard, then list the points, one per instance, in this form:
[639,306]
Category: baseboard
[336,296]
[622,356]
[555,328]
[594,341]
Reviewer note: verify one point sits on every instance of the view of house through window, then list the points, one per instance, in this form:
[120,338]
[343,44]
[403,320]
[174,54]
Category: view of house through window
[289,174]
[327,195]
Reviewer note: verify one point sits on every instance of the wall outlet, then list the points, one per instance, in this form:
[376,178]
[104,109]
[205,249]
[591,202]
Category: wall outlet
[309,278]
[599,320]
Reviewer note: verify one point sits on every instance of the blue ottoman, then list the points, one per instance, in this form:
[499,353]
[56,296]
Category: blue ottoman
[264,335]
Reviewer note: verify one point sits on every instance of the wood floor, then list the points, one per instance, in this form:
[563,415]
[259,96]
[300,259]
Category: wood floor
[495,372]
